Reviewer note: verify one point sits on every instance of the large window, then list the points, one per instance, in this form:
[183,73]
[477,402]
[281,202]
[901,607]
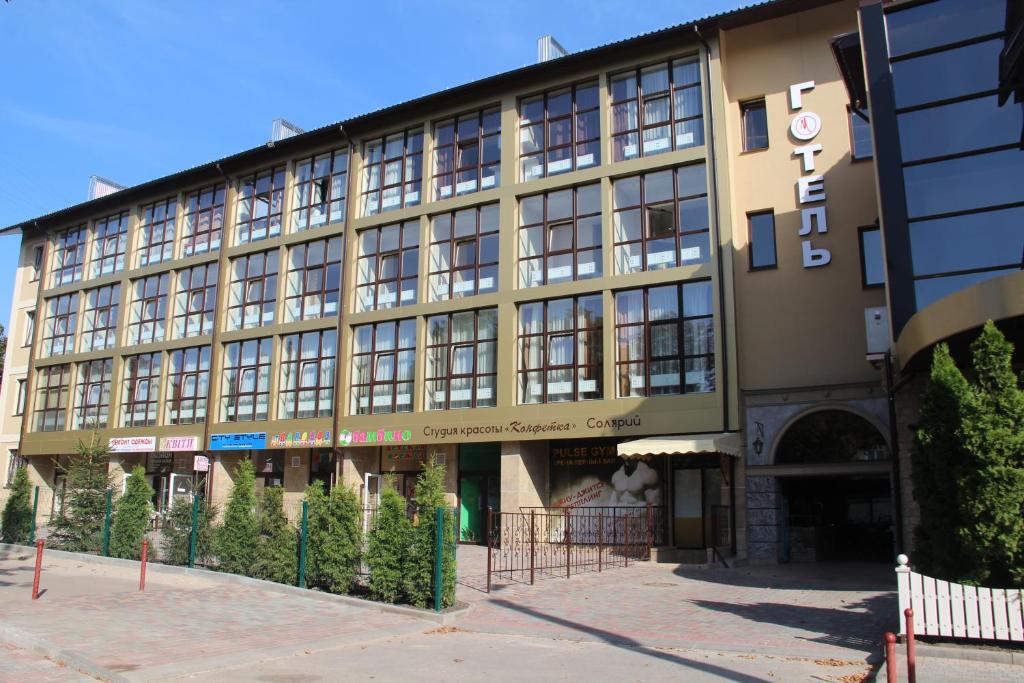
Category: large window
[49,409]
[392,172]
[110,240]
[754,119]
[659,105]
[761,239]
[383,360]
[148,312]
[260,205]
[194,301]
[467,153]
[388,266]
[59,325]
[464,253]
[99,320]
[252,298]
[314,279]
[462,360]
[561,350]
[872,267]
[140,390]
[188,385]
[661,219]
[92,395]
[321,186]
[559,131]
[666,340]
[204,220]
[68,256]
[560,236]
[307,375]
[156,232]
[245,390]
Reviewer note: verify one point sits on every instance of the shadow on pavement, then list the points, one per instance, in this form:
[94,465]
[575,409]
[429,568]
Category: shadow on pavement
[829,576]
[618,640]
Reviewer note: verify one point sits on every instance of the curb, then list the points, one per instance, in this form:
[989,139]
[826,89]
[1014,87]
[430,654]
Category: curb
[973,654]
[39,646]
[447,617]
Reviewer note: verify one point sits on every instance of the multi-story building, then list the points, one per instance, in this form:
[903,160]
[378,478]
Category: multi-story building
[637,274]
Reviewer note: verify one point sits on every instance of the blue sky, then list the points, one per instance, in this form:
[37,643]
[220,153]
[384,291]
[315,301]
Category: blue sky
[135,89]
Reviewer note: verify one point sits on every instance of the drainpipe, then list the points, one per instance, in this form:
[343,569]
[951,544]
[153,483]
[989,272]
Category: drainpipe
[338,393]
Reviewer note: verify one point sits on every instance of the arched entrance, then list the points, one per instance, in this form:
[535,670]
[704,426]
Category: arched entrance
[833,467]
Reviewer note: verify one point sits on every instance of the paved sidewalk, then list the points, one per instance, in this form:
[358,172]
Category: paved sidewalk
[18,665]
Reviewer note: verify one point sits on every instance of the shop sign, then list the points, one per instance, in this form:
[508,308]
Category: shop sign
[805,126]
[242,441]
[301,439]
[589,473]
[179,443]
[201,463]
[132,444]
[399,454]
[347,437]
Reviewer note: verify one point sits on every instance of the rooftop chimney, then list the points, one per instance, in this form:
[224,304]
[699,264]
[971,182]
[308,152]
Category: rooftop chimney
[101,187]
[548,48]
[282,128]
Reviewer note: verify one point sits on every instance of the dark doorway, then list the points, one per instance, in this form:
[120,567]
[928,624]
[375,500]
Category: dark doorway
[479,489]
[845,518]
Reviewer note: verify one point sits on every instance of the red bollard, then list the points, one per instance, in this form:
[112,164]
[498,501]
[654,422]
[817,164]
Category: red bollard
[145,554]
[890,657]
[911,654]
[39,568]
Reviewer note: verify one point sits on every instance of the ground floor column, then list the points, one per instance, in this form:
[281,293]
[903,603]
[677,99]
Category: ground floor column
[524,474]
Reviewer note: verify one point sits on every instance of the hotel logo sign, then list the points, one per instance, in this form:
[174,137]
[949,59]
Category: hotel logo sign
[810,187]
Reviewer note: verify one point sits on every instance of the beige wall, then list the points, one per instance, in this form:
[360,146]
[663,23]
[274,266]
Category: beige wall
[798,326]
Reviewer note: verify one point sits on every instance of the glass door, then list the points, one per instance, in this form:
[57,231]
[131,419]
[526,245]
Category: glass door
[687,506]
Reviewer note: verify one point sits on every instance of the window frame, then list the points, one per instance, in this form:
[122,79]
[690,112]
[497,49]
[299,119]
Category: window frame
[289,399]
[546,225]
[333,188]
[239,290]
[863,253]
[231,393]
[851,119]
[178,375]
[162,217]
[83,408]
[21,397]
[137,322]
[327,267]
[373,355]
[38,257]
[58,393]
[186,291]
[250,198]
[544,338]
[450,247]
[592,144]
[750,241]
[30,328]
[69,256]
[401,278]
[194,210]
[93,313]
[457,170]
[106,231]
[410,181]
[747,106]
[449,348]
[640,98]
[62,308]
[130,383]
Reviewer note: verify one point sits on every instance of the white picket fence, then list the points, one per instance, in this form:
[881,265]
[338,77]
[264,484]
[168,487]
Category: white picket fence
[942,608]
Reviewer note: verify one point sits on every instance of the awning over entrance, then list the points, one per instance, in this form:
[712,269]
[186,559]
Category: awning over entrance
[722,442]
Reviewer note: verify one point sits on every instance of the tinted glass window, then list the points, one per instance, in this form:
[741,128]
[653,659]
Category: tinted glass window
[959,127]
[755,125]
[946,74]
[981,240]
[762,240]
[941,23]
[871,257]
[965,183]
[933,289]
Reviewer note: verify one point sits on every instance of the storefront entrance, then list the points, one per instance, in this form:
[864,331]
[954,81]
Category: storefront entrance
[479,489]
[700,502]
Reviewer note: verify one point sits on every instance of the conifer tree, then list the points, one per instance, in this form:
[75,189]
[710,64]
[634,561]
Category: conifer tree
[276,552]
[16,523]
[177,534]
[80,528]
[131,516]
[430,495]
[335,539]
[388,549]
[238,538]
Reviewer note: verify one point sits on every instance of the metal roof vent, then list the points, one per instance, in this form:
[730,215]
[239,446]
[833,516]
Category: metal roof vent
[549,48]
[282,128]
[101,187]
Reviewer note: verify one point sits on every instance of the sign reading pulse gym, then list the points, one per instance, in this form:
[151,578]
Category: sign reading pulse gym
[805,126]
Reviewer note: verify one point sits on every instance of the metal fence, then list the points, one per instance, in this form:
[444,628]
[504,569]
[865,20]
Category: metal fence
[658,516]
[563,541]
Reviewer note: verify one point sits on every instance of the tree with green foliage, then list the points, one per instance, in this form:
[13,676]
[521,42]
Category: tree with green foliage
[277,551]
[238,538]
[177,534]
[430,495]
[335,542]
[968,467]
[131,516]
[87,479]
[16,523]
[388,548]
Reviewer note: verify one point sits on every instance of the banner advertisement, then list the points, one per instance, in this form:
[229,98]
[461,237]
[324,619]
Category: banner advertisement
[243,441]
[179,443]
[589,473]
[301,440]
[132,444]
